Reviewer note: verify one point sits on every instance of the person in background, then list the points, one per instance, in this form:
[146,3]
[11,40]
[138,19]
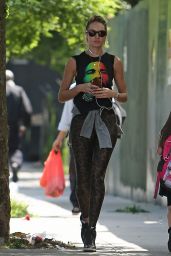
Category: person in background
[164,134]
[63,128]
[19,112]
[94,129]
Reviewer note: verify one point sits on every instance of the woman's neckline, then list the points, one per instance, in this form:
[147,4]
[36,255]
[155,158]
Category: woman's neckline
[96,57]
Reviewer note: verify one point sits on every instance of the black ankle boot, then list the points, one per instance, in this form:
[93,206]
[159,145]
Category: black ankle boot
[89,240]
[93,234]
[169,241]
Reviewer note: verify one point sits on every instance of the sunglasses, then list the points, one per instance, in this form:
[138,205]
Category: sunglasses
[101,33]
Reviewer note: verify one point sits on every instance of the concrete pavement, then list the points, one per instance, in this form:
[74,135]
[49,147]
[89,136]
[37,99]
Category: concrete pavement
[139,234]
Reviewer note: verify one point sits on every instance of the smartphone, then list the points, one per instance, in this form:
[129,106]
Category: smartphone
[97,81]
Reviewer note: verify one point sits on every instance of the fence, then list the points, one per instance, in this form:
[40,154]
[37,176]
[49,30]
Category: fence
[141,37]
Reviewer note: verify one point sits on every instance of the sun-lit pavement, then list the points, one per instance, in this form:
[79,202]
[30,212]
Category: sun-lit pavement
[139,234]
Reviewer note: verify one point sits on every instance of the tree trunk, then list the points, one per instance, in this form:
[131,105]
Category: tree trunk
[4,172]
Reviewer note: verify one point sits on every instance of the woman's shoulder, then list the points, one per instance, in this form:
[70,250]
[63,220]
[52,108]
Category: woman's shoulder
[118,64]
[114,57]
[80,55]
[108,57]
[109,54]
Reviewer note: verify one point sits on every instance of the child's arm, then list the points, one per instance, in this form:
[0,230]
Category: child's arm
[59,140]
[159,150]
[165,132]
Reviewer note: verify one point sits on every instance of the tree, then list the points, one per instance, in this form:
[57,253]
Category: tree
[51,51]
[28,21]
[31,20]
[4,172]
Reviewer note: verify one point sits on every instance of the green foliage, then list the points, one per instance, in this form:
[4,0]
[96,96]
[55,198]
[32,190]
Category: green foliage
[30,20]
[65,156]
[51,127]
[50,133]
[18,243]
[132,209]
[18,209]
[51,51]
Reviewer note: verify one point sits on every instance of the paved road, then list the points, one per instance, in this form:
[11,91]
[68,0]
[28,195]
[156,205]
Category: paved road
[142,234]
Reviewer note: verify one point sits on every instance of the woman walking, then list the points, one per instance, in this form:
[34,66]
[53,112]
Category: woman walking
[94,128]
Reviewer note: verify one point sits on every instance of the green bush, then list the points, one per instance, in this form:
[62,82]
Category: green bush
[18,209]
[50,132]
[65,156]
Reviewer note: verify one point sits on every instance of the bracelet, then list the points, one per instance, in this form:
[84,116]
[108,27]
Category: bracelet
[116,96]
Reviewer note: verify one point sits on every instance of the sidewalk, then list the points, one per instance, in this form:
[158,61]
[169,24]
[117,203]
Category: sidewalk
[117,233]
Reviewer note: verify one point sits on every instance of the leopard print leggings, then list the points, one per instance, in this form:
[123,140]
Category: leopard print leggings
[91,163]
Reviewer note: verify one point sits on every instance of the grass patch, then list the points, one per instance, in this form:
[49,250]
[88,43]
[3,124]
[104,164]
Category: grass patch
[18,209]
[132,209]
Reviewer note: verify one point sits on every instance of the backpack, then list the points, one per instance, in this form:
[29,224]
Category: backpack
[164,168]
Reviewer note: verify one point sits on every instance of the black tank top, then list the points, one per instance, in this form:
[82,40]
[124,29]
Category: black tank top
[98,71]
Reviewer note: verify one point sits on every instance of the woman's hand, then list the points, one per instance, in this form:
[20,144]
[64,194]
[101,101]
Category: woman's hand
[57,144]
[159,150]
[103,92]
[86,87]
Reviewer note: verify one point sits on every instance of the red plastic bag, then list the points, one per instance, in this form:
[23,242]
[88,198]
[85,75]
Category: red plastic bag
[52,179]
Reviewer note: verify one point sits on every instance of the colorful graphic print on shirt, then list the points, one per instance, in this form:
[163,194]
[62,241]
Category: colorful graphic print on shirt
[95,71]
